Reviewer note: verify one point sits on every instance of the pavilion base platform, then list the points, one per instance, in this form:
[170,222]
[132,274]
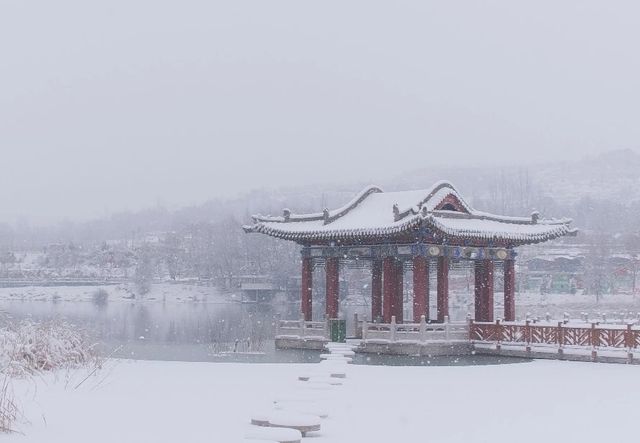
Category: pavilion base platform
[304,343]
[301,334]
[427,349]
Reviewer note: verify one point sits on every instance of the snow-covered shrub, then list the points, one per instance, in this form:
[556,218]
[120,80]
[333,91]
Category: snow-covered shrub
[27,347]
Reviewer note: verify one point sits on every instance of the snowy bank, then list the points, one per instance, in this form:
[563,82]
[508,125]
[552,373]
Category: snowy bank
[213,402]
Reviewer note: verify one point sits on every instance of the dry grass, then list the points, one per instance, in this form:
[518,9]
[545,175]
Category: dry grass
[28,348]
[9,411]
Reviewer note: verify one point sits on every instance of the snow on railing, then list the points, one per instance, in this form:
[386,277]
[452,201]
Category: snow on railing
[562,333]
[415,332]
[615,318]
[301,328]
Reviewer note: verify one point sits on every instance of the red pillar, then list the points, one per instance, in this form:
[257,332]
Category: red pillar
[420,288]
[389,282]
[477,290]
[487,286]
[484,290]
[332,270]
[306,287]
[376,289]
[509,290]
[443,288]
[399,299]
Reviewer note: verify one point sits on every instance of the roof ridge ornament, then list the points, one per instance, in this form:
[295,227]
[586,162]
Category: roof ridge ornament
[286,214]
[396,212]
[535,216]
[325,216]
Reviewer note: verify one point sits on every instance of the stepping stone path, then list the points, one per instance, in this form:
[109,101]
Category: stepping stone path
[299,413]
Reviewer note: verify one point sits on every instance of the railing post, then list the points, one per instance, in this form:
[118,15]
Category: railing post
[498,334]
[629,342]
[595,340]
[560,338]
[302,326]
[423,328]
[527,335]
[447,329]
[365,326]
[392,329]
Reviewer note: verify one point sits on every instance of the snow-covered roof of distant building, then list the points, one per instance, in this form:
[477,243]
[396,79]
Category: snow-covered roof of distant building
[440,209]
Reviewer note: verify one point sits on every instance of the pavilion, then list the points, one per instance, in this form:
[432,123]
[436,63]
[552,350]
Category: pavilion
[422,228]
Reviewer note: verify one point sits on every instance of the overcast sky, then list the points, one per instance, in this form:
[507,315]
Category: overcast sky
[121,104]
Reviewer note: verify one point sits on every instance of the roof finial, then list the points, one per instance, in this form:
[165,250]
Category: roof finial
[396,212]
[286,213]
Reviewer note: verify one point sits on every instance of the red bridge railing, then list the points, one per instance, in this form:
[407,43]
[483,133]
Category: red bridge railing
[561,334]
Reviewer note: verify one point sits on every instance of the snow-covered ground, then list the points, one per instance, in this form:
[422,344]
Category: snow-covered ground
[213,402]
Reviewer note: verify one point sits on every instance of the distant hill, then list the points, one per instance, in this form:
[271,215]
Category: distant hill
[601,192]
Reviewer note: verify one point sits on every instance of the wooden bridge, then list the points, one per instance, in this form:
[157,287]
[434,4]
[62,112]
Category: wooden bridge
[566,339]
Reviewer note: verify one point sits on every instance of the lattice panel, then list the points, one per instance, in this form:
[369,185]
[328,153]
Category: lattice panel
[513,333]
[544,334]
[577,336]
[614,338]
[483,332]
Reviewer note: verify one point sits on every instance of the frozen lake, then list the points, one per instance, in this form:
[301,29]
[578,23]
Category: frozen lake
[190,323]
[180,326]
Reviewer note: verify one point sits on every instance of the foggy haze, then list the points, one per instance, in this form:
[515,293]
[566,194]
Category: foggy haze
[124,104]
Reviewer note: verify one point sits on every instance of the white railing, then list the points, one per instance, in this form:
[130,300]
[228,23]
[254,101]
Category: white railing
[301,328]
[416,332]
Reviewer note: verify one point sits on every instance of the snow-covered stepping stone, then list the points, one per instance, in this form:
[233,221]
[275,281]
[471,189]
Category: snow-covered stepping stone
[260,419]
[325,380]
[304,408]
[337,370]
[252,440]
[340,348]
[335,357]
[292,420]
[281,435]
[343,353]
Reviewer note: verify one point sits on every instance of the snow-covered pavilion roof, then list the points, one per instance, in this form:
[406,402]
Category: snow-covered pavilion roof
[374,213]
